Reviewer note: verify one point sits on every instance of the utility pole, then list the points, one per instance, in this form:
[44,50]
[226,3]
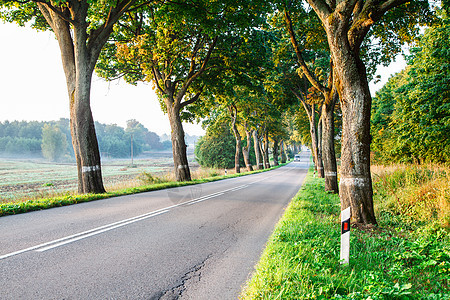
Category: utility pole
[131,149]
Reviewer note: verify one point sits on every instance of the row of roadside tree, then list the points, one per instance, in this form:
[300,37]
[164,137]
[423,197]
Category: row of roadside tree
[252,63]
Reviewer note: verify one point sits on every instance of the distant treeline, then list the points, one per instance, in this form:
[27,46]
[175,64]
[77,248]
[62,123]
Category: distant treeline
[22,138]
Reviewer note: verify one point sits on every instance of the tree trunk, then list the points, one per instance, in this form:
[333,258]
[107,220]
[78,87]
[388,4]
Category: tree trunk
[180,161]
[237,136]
[265,150]
[328,152]
[78,65]
[355,187]
[258,155]
[283,153]
[84,139]
[275,152]
[313,132]
[320,173]
[246,150]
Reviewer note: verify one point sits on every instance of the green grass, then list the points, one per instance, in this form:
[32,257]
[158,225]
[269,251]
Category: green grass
[17,207]
[393,261]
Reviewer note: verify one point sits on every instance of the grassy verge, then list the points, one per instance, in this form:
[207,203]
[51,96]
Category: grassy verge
[11,208]
[397,260]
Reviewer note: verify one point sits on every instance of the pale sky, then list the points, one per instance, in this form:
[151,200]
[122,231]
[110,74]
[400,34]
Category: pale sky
[33,87]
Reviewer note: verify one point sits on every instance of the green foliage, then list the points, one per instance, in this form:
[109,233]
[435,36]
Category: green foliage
[411,113]
[54,142]
[25,138]
[216,149]
[301,260]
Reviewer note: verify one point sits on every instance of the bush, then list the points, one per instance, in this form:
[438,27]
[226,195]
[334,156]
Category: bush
[216,150]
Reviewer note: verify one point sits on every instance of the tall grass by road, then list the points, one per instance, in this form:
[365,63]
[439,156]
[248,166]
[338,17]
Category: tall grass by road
[406,257]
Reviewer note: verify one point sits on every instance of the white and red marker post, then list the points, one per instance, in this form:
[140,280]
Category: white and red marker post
[345,236]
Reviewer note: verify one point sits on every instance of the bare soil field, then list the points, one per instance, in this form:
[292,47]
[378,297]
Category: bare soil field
[35,178]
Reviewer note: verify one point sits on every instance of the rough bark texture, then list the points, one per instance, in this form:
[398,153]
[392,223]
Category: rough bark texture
[79,54]
[328,151]
[355,187]
[246,149]
[258,154]
[347,23]
[180,161]
[275,153]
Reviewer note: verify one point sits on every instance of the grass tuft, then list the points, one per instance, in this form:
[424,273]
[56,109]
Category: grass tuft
[415,195]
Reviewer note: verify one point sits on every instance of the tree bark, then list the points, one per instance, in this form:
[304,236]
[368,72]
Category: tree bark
[355,187]
[180,161]
[258,154]
[275,152]
[283,153]
[328,151]
[78,61]
[320,172]
[266,150]
[311,111]
[237,136]
[246,149]
[174,92]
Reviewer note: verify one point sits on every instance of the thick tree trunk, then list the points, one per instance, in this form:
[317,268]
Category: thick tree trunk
[328,152]
[275,152]
[355,186]
[180,161]
[258,155]
[78,64]
[84,139]
[246,150]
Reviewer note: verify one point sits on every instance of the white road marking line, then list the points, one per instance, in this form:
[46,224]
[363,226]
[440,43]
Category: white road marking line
[78,236]
[203,199]
[99,231]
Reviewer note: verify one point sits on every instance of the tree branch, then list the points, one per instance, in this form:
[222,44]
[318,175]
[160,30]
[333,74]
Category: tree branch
[157,76]
[322,9]
[193,99]
[302,63]
[56,11]
[194,76]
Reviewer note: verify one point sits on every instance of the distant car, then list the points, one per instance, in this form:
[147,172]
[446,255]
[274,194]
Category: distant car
[297,157]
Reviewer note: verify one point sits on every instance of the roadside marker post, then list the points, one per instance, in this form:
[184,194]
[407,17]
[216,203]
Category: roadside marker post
[345,236]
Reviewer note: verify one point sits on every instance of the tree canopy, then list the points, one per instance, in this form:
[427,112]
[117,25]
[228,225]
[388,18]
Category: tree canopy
[411,113]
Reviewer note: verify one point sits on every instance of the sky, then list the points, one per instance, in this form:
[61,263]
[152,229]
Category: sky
[33,87]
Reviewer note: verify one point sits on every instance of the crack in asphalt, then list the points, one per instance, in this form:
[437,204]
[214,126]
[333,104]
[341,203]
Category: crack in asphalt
[193,275]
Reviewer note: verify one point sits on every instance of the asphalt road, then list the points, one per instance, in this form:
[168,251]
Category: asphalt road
[197,242]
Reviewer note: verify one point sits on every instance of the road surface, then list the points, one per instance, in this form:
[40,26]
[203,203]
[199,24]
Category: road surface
[194,242]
